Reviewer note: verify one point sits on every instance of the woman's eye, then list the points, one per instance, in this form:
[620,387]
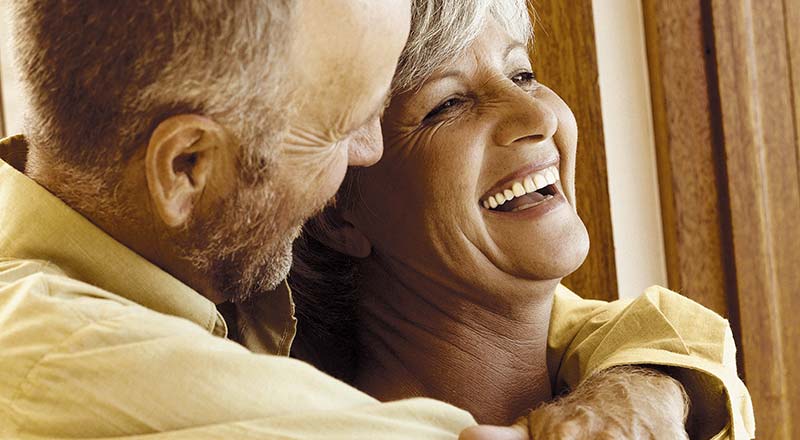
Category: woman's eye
[443,107]
[524,79]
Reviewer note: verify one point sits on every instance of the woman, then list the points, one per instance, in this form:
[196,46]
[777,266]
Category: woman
[459,265]
[445,256]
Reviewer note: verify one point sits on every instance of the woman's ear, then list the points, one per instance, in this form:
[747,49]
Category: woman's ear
[333,229]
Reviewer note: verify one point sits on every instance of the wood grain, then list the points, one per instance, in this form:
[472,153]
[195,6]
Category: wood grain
[724,79]
[565,59]
[755,84]
[792,10]
[692,202]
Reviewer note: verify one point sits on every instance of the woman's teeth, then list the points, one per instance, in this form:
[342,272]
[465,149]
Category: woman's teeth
[534,182]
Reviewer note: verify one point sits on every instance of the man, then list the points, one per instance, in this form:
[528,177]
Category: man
[175,149]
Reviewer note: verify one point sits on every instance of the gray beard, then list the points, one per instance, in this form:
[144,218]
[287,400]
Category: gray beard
[247,275]
[247,247]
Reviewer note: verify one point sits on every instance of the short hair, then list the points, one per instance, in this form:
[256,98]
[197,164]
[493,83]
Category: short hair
[443,29]
[100,75]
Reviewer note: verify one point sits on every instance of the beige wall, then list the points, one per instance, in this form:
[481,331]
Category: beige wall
[630,145]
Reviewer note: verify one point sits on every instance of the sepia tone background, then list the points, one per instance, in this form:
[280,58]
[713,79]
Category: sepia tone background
[688,165]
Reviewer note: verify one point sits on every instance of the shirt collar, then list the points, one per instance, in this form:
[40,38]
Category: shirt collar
[38,225]
[267,323]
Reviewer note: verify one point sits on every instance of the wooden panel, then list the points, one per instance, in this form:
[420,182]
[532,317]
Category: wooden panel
[724,79]
[792,10]
[760,145]
[692,205]
[565,59]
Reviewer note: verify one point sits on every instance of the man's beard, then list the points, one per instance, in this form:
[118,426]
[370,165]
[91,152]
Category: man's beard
[245,246]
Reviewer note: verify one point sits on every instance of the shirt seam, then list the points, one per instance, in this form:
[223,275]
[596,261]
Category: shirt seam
[19,393]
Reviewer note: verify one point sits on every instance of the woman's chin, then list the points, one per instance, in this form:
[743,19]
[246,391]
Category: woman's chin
[545,253]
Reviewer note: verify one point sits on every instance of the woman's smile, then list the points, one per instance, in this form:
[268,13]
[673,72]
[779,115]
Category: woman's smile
[532,205]
[525,187]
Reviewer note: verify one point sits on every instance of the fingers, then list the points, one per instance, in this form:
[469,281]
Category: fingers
[488,432]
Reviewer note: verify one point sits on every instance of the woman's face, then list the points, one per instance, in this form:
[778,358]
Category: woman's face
[466,185]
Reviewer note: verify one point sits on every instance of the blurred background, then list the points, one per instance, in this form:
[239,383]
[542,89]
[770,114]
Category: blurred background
[688,167]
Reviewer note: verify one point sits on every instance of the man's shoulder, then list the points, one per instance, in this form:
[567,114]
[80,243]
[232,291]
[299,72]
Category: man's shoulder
[43,310]
[40,287]
[14,269]
[47,315]
[63,342]
[39,291]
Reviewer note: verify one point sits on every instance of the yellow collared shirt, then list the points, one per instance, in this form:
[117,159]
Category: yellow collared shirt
[95,341]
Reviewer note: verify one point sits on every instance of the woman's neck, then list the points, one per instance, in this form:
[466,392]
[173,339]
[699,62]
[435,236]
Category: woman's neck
[421,338]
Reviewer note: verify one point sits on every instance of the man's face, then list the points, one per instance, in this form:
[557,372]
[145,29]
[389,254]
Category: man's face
[339,71]
[340,74]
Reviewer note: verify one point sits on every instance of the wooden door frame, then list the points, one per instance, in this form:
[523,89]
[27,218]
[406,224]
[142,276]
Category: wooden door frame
[569,67]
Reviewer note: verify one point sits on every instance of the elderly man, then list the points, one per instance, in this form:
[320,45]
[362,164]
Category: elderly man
[174,151]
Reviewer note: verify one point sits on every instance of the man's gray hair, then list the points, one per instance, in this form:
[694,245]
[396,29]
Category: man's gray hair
[101,75]
[443,29]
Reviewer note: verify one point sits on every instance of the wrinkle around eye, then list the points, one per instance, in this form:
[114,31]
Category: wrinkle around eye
[447,106]
[414,140]
[307,138]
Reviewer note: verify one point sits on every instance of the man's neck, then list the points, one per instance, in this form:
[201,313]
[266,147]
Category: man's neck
[134,228]
[423,339]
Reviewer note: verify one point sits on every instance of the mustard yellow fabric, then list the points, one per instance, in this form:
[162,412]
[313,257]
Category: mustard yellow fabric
[659,328]
[97,342]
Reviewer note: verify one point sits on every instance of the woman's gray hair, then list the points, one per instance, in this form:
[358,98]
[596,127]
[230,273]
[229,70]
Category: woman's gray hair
[325,282]
[443,29]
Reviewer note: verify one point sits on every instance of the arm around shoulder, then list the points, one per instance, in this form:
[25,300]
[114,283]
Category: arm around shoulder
[660,329]
[140,374]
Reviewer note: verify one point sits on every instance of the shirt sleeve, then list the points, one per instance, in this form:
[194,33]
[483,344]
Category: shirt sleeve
[139,374]
[659,328]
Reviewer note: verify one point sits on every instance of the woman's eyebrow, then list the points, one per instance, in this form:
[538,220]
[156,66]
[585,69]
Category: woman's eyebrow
[452,73]
[512,47]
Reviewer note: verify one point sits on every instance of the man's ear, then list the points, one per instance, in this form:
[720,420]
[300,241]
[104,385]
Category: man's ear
[179,161]
[335,230]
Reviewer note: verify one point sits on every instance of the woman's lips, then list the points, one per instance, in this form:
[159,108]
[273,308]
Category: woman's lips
[528,200]
[552,200]
[530,190]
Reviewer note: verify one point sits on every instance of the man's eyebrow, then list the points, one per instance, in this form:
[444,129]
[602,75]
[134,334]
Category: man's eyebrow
[386,100]
[377,113]
[384,103]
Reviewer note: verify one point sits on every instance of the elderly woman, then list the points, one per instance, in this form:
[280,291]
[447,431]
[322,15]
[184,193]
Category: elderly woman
[442,261]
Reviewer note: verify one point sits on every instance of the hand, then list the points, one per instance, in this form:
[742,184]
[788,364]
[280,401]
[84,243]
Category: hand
[619,403]
[518,431]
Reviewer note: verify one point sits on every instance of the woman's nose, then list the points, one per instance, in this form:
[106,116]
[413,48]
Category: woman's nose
[525,120]
[365,147]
